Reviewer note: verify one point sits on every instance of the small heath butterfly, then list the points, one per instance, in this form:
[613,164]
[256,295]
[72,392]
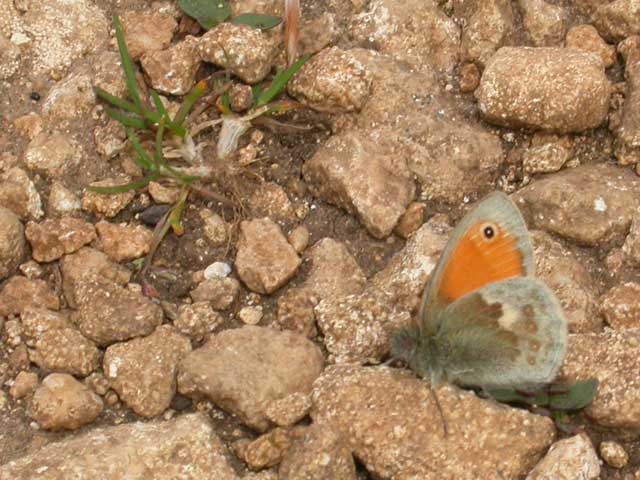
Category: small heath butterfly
[485,320]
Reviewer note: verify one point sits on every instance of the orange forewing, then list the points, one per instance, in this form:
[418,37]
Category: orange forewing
[476,262]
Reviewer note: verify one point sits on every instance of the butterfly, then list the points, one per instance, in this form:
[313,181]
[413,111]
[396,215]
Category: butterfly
[485,320]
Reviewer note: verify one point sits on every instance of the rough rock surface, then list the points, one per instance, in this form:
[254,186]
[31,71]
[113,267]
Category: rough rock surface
[390,421]
[613,358]
[410,118]
[355,173]
[415,32]
[173,71]
[147,31]
[87,264]
[219,292]
[19,194]
[545,23]
[108,313]
[265,260]
[185,448]
[332,81]
[19,292]
[62,402]
[620,306]
[566,274]
[587,38]
[489,24]
[244,51]
[65,350]
[242,370]
[12,244]
[553,89]
[569,458]
[143,370]
[319,454]
[589,205]
[54,238]
[123,242]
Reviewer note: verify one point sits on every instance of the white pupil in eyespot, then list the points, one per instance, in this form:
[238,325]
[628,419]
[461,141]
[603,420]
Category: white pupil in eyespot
[488,232]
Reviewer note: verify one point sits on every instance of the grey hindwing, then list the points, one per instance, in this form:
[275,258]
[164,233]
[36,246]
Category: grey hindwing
[495,207]
[510,333]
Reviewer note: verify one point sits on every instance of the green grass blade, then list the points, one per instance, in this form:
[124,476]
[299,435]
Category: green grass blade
[157,155]
[126,120]
[127,65]
[158,103]
[115,101]
[193,96]
[279,82]
[143,182]
[141,159]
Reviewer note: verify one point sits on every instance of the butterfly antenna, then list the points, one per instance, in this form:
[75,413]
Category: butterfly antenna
[444,420]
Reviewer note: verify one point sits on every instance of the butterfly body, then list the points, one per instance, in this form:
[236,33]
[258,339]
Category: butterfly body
[485,320]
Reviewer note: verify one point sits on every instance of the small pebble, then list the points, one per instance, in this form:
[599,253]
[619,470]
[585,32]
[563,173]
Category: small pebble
[217,270]
[614,454]
[250,315]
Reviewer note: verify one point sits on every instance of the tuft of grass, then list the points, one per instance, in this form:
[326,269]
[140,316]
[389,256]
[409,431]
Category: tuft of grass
[149,121]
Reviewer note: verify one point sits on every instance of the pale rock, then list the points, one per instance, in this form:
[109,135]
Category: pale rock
[586,37]
[270,200]
[264,261]
[364,178]
[547,88]
[173,71]
[246,52]
[65,350]
[12,242]
[614,454]
[53,154]
[62,202]
[107,205]
[147,31]
[590,205]
[219,292]
[143,371]
[319,454]
[61,402]
[243,370]
[415,32]
[289,410]
[123,242]
[108,313]
[19,292]
[391,422]
[299,238]
[612,358]
[24,384]
[197,320]
[53,238]
[568,459]
[85,265]
[250,315]
[19,194]
[332,81]
[545,23]
[70,98]
[186,448]
[620,306]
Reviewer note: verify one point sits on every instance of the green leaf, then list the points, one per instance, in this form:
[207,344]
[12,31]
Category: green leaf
[157,155]
[126,120]
[127,65]
[158,103]
[141,158]
[188,102]
[574,397]
[208,13]
[115,101]
[143,182]
[279,82]
[255,20]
